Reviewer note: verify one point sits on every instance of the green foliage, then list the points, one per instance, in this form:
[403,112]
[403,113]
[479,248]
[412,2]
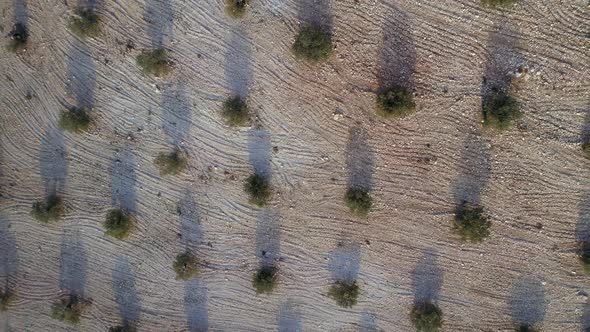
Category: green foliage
[258,187]
[75,120]
[235,111]
[395,102]
[118,224]
[85,23]
[50,209]
[584,256]
[312,43]
[526,328]
[359,201]
[345,293]
[499,110]
[499,3]
[471,224]
[265,279]
[155,62]
[123,328]
[171,163]
[426,317]
[69,308]
[586,148]
[18,38]
[236,8]
[6,298]
[186,266]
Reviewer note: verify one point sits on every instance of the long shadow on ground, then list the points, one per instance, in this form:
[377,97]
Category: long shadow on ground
[190,222]
[474,170]
[238,63]
[368,323]
[73,263]
[288,319]
[8,254]
[397,62]
[125,292]
[259,152]
[359,159]
[177,114]
[527,302]
[21,13]
[503,58]
[81,75]
[123,179]
[427,278]
[268,237]
[315,12]
[345,260]
[159,22]
[52,161]
[195,304]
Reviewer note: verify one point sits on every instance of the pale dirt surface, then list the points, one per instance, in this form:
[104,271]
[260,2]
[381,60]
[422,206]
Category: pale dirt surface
[532,179]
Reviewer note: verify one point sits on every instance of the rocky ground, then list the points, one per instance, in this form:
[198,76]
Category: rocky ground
[316,132]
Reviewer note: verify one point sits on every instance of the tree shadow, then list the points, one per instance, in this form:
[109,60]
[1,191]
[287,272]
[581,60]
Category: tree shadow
[177,114]
[474,170]
[73,263]
[527,302]
[397,62]
[359,160]
[52,162]
[159,21]
[81,75]
[368,322]
[315,12]
[268,237]
[503,58]
[125,292]
[344,262]
[123,179]
[586,318]
[88,4]
[583,225]
[289,320]
[195,304]
[238,63]
[586,128]
[259,152]
[21,15]
[427,278]
[8,254]
[190,223]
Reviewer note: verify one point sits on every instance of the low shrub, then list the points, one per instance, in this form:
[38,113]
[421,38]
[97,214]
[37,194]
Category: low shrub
[18,38]
[426,317]
[258,187]
[235,111]
[395,102]
[50,209]
[526,328]
[265,279]
[6,298]
[313,43]
[171,163]
[75,120]
[359,201]
[236,8]
[471,223]
[186,266]
[69,308]
[123,328]
[155,62]
[499,3]
[118,224]
[500,109]
[586,148]
[85,23]
[344,293]
[584,256]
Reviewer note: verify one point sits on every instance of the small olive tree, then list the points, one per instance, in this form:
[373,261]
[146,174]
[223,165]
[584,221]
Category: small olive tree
[186,266]
[426,317]
[344,293]
[235,111]
[19,36]
[155,62]
[313,43]
[265,279]
[359,201]
[236,8]
[118,223]
[48,210]
[69,308]
[471,223]
[6,298]
[76,120]
[395,102]
[85,23]
[500,110]
[172,163]
[258,187]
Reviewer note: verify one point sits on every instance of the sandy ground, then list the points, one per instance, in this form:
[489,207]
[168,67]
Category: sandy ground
[532,179]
